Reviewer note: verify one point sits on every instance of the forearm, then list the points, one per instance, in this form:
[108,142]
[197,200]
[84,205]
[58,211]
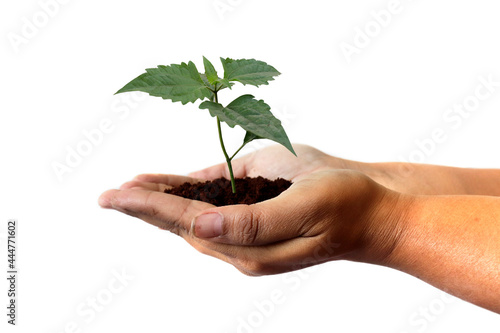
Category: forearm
[432,179]
[453,243]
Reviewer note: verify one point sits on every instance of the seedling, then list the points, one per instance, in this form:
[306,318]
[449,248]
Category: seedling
[183,83]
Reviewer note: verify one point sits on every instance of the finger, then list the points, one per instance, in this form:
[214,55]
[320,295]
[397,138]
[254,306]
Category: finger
[202,248]
[139,185]
[221,170]
[236,256]
[243,266]
[278,219]
[150,207]
[172,180]
[276,258]
[160,209]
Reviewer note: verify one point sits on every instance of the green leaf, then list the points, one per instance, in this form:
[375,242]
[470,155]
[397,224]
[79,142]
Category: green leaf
[210,71]
[225,83]
[212,88]
[179,83]
[252,115]
[249,137]
[205,80]
[248,71]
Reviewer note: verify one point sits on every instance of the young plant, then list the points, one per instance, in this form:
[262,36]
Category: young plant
[183,83]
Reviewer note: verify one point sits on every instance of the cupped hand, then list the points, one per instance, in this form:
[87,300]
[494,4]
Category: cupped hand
[276,161]
[326,214]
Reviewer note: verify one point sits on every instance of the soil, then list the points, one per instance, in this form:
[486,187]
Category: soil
[218,192]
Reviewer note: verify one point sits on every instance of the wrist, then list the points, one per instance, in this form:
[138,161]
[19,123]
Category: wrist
[385,174]
[423,179]
[387,226]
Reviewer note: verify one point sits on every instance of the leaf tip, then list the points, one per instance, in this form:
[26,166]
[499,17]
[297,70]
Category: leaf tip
[122,90]
[289,146]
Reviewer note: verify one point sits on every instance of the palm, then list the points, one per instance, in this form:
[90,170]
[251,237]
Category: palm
[271,162]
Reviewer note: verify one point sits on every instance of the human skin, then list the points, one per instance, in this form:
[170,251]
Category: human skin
[439,224]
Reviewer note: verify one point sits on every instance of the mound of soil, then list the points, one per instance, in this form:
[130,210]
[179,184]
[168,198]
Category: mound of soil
[218,192]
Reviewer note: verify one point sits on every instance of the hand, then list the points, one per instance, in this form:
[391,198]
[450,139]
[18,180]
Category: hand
[334,212]
[325,215]
[276,161]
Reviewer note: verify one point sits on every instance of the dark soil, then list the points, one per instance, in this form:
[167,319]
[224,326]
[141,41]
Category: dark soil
[219,193]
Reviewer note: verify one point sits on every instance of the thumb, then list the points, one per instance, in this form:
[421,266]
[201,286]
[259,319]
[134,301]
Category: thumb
[263,223]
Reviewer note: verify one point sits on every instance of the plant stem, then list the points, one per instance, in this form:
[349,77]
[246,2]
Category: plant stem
[241,147]
[228,159]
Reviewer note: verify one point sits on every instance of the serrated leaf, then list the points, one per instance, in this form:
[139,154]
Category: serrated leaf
[252,115]
[205,80]
[248,71]
[179,83]
[210,71]
[225,83]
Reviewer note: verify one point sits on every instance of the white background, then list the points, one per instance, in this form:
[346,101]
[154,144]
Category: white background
[59,81]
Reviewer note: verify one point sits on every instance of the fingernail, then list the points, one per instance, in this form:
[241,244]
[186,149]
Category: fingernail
[208,225]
